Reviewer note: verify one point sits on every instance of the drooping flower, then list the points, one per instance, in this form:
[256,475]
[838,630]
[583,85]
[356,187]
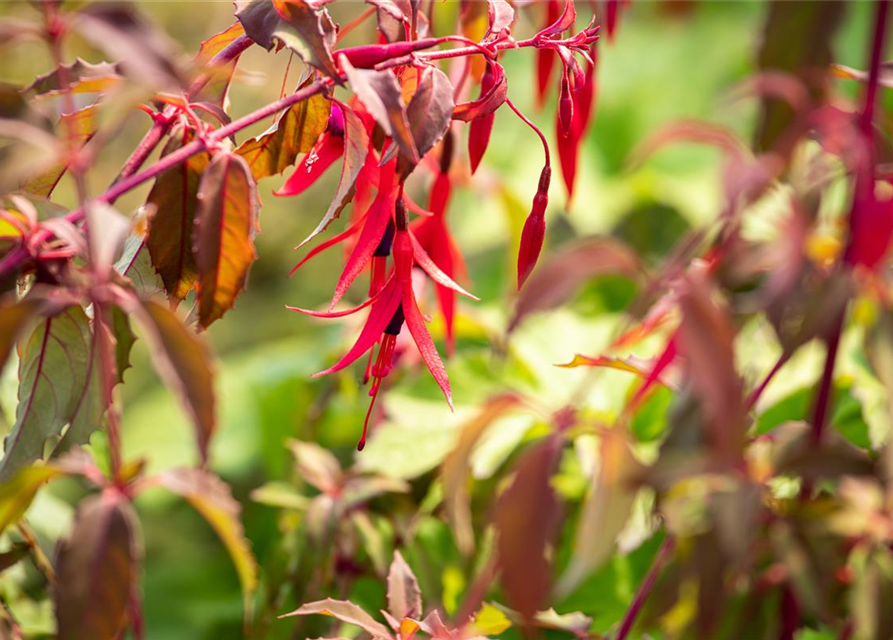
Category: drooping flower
[392,307]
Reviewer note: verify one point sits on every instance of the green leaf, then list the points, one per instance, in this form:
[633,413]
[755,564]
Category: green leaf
[182,360]
[14,316]
[356,146]
[124,340]
[136,263]
[79,127]
[17,493]
[404,595]
[294,132]
[53,385]
[97,569]
[211,497]
[225,225]
[174,198]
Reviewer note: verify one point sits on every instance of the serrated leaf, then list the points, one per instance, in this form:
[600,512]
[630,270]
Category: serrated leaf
[346,612]
[212,498]
[490,621]
[356,145]
[605,511]
[456,468]
[307,30]
[382,96]
[294,132]
[526,517]
[144,52]
[404,595]
[501,15]
[82,77]
[174,197]
[182,361]
[260,20]
[215,91]
[225,224]
[53,377]
[136,263]
[97,568]
[79,127]
[429,114]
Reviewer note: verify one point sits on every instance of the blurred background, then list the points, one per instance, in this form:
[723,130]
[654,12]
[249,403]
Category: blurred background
[669,60]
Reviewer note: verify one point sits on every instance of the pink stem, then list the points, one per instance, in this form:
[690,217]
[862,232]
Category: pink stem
[663,554]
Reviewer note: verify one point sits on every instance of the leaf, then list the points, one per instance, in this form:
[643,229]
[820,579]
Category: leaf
[429,113]
[260,20]
[53,376]
[316,465]
[79,127]
[567,269]
[705,340]
[309,32]
[225,224]
[456,468]
[145,53]
[215,91]
[212,498]
[295,132]
[124,340]
[380,93]
[404,595]
[356,145]
[97,568]
[501,16]
[82,77]
[490,621]
[797,38]
[17,493]
[346,612]
[182,362]
[14,316]
[136,263]
[174,197]
[605,511]
[526,519]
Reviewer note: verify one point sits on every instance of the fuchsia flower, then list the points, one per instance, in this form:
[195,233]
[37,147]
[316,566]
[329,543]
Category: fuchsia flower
[393,304]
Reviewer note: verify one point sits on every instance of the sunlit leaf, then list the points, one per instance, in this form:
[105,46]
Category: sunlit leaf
[225,225]
[429,114]
[212,498]
[307,30]
[17,493]
[82,77]
[182,361]
[215,91]
[295,132]
[404,595]
[346,612]
[174,198]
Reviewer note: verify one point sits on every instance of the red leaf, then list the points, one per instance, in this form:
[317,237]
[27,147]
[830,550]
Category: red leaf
[225,224]
[501,16]
[429,113]
[527,514]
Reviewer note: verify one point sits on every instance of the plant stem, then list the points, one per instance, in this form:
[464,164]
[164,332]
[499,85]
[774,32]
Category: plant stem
[760,388]
[663,554]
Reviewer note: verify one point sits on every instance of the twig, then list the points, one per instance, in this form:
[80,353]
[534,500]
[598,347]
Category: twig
[645,588]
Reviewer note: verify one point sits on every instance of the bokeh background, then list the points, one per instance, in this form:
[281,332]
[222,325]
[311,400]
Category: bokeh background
[669,60]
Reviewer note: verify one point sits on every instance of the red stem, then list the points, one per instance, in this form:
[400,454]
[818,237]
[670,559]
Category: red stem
[535,128]
[663,554]
[758,391]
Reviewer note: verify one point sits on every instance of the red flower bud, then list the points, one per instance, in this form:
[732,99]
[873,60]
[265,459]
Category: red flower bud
[534,229]
[565,107]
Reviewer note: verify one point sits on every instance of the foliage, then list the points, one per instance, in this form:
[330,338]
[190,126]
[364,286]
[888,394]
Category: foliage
[709,459]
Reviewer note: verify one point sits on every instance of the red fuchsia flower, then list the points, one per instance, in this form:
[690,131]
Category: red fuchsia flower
[432,235]
[871,225]
[391,307]
[328,148]
[546,58]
